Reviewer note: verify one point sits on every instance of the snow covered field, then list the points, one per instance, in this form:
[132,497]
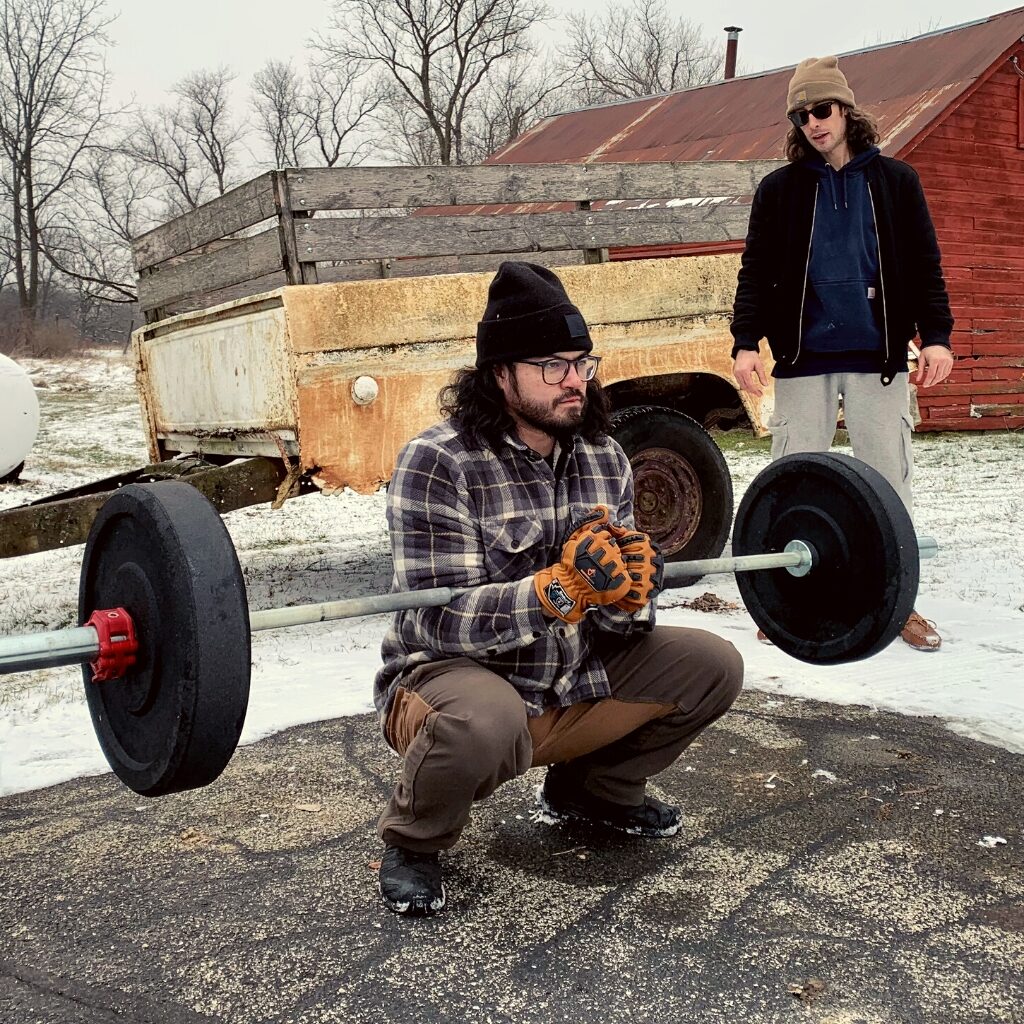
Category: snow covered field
[970,491]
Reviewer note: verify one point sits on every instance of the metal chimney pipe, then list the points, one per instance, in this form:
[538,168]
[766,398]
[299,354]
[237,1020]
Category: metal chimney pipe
[732,39]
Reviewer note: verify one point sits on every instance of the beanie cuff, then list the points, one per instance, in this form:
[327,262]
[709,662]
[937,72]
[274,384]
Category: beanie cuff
[818,92]
[542,333]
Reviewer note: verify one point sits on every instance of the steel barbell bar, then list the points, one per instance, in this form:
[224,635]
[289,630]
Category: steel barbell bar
[82,645]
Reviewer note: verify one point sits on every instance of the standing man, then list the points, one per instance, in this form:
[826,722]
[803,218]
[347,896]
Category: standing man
[553,657]
[841,269]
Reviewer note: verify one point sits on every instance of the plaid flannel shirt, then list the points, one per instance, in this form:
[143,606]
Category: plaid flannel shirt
[468,517]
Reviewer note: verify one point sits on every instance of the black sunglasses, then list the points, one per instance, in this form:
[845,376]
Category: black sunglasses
[821,111]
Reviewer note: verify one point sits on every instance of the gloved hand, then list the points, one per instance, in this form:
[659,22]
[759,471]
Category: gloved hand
[590,571]
[643,562]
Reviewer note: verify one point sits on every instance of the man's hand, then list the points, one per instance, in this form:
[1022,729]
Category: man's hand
[933,365]
[748,370]
[590,571]
[645,566]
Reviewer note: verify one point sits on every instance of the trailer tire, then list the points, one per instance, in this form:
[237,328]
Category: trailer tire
[683,489]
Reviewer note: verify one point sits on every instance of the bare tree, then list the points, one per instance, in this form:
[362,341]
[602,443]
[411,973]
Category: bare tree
[510,102]
[320,120]
[204,100]
[281,119]
[193,146]
[340,104]
[437,56]
[637,49]
[90,242]
[53,85]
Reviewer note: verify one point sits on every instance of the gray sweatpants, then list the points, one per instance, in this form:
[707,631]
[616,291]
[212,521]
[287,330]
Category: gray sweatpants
[877,418]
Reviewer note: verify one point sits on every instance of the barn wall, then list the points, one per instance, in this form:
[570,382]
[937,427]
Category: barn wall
[972,169]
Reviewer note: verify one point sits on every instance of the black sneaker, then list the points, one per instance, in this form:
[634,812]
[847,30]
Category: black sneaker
[652,818]
[410,882]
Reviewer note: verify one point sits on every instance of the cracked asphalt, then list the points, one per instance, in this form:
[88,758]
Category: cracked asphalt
[838,865]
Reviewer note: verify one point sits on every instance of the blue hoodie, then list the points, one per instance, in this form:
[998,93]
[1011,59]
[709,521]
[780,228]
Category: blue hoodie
[842,320]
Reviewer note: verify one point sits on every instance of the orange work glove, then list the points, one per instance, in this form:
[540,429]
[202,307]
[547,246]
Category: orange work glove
[590,571]
[643,562]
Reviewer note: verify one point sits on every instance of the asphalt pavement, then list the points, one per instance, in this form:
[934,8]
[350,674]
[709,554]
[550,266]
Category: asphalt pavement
[838,865]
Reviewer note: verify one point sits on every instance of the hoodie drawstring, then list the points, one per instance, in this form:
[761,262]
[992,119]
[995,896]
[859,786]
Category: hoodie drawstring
[832,176]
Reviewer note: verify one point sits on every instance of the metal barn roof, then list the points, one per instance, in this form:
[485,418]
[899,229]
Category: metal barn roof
[906,85]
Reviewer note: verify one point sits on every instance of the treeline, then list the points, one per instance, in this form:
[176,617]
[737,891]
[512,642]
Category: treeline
[389,81]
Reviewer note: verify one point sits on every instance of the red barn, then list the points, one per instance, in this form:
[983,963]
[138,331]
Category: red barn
[951,103]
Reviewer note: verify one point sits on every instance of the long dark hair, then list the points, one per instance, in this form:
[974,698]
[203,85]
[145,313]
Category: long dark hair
[477,403]
[861,134]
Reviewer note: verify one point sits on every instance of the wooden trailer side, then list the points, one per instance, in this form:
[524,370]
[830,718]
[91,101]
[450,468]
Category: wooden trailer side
[278,372]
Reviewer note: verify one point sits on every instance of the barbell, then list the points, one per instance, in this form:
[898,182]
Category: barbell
[164,634]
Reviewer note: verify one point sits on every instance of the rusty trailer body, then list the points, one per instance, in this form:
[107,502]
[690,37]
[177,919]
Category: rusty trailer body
[276,373]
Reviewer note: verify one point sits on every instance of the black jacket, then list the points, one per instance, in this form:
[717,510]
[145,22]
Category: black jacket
[772,279]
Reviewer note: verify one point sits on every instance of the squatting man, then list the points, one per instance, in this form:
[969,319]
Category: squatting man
[553,657]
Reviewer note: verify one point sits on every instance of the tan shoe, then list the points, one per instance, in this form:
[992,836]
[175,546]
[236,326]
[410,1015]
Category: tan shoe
[763,639]
[920,633]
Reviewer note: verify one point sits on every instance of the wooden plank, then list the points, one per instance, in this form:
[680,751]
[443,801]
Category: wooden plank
[999,223]
[1009,364]
[995,348]
[987,423]
[977,127]
[240,261]
[986,293]
[951,272]
[991,282]
[355,188]
[976,154]
[430,266]
[382,237]
[982,248]
[970,198]
[240,208]
[1000,373]
[296,272]
[58,524]
[987,388]
[999,86]
[996,185]
[953,225]
[999,410]
[983,264]
[204,300]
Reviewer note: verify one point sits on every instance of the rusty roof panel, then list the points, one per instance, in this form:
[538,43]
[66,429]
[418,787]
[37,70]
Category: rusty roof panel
[905,85]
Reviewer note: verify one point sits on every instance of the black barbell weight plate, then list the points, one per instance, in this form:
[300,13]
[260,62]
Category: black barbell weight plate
[173,721]
[862,588]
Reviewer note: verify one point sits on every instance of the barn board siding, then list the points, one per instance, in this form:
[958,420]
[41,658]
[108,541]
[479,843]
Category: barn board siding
[972,169]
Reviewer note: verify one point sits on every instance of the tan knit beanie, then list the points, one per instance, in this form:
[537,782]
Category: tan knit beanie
[815,80]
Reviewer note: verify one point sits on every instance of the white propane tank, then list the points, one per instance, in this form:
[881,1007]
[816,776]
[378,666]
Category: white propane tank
[19,415]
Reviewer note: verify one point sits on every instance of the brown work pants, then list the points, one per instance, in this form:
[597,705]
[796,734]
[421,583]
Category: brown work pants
[463,730]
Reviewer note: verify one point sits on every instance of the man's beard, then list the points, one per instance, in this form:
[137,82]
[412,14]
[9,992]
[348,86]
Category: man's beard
[542,416]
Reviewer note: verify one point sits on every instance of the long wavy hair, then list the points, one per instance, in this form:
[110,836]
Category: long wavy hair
[476,402]
[861,134]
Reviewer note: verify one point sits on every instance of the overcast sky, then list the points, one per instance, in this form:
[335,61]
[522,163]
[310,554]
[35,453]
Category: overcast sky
[157,43]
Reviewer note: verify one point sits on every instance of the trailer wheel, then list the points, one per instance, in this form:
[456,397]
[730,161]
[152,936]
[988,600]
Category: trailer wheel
[683,490]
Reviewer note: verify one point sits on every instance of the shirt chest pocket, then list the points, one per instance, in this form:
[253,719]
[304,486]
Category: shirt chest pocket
[513,549]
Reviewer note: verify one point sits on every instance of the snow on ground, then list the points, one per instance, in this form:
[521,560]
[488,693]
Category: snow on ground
[970,491]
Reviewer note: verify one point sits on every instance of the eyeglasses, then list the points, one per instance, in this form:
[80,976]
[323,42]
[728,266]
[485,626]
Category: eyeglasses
[821,112]
[554,371]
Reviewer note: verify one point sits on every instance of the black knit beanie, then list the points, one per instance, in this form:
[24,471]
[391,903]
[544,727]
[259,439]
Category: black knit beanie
[528,314]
